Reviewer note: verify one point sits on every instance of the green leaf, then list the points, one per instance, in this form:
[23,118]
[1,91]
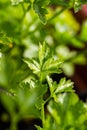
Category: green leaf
[42,89]
[52,85]
[52,65]
[33,65]
[44,53]
[46,65]
[26,99]
[32,96]
[5,42]
[64,86]
[77,5]
[41,13]
[65,112]
[40,9]
[10,105]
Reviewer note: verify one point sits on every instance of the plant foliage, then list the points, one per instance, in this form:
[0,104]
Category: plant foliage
[27,89]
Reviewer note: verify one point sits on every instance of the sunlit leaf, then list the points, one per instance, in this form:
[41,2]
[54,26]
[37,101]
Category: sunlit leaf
[44,53]
[64,86]
[32,64]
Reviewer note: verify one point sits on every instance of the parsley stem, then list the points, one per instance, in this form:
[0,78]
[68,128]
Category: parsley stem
[56,14]
[43,114]
[47,99]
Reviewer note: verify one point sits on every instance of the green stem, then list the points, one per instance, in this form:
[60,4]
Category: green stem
[43,115]
[25,10]
[31,32]
[15,117]
[13,124]
[57,13]
[43,111]
[2,90]
[47,99]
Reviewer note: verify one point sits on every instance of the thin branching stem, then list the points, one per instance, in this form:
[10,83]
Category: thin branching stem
[49,20]
[57,13]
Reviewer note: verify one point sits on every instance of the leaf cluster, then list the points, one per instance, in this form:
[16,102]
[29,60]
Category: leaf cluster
[46,64]
[40,7]
[27,89]
[62,103]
